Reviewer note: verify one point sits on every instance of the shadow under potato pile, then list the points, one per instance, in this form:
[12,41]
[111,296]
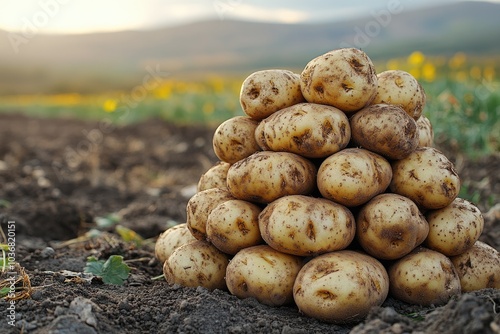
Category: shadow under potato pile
[57,176]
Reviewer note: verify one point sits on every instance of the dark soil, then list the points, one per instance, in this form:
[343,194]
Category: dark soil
[58,176]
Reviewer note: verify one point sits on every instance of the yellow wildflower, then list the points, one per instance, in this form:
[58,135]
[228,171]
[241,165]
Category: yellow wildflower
[416,58]
[489,73]
[109,105]
[429,72]
[457,61]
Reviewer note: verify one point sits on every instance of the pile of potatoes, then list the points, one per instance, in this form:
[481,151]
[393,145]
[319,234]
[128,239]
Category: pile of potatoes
[328,194]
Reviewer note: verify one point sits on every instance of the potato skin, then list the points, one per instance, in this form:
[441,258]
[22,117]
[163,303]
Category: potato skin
[306,226]
[233,225]
[454,228]
[199,207]
[265,176]
[308,129]
[214,177]
[234,139]
[170,240]
[402,89]
[264,92]
[263,273]
[478,267]
[427,177]
[343,78]
[385,129]
[390,226]
[353,176]
[340,287]
[423,277]
[197,263]
[425,132]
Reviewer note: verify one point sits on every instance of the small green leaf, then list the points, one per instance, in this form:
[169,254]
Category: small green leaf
[107,221]
[4,291]
[112,271]
[4,203]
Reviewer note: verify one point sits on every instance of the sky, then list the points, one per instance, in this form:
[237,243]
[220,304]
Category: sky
[86,16]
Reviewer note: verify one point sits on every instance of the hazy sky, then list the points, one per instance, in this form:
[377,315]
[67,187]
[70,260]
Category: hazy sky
[81,16]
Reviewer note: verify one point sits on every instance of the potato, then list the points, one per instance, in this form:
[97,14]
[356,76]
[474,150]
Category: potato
[170,240]
[267,91]
[427,177]
[385,129]
[342,78]
[308,129]
[454,228]
[340,287]
[197,263]
[263,273]
[234,139]
[402,89]
[478,267]
[199,207]
[424,277]
[260,137]
[215,177]
[390,226]
[306,226]
[353,176]
[265,176]
[425,132]
[234,225]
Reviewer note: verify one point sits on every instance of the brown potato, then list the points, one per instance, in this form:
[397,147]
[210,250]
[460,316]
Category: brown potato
[423,277]
[305,226]
[170,240]
[478,267]
[402,89]
[454,228]
[353,176]
[265,176]
[390,226]
[234,139]
[308,129]
[385,129]
[340,287]
[427,177]
[215,177]
[199,207]
[263,273]
[197,263]
[264,92]
[425,132]
[342,78]
[234,225]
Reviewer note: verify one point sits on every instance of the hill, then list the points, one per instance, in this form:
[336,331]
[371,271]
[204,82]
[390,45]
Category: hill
[94,62]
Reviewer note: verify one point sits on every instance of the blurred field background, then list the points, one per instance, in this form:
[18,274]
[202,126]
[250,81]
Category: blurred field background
[452,49]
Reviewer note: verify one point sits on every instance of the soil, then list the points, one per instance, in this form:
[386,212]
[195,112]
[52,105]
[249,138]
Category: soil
[58,176]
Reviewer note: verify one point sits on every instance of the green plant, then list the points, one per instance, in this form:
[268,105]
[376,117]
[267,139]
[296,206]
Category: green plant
[112,271]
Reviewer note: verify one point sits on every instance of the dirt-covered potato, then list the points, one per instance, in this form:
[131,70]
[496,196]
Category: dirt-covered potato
[199,207]
[234,139]
[454,228]
[263,273]
[402,89]
[390,226]
[197,263]
[308,129]
[260,137]
[425,132]
[343,78]
[478,267]
[265,176]
[385,129]
[305,226]
[264,92]
[340,287]
[234,225]
[427,177]
[353,176]
[170,240]
[214,177]
[423,277]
